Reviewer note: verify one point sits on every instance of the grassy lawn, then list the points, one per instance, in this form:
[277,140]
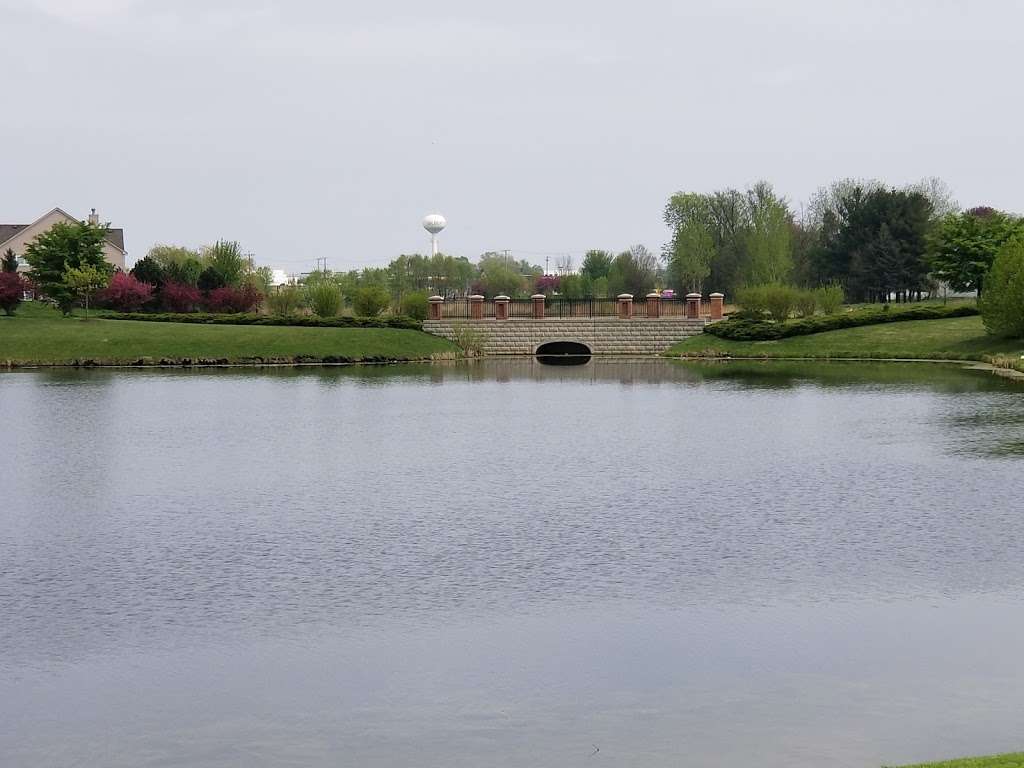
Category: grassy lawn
[38,334]
[1015,760]
[958,338]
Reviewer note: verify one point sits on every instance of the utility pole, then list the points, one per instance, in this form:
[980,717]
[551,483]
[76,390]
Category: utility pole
[547,265]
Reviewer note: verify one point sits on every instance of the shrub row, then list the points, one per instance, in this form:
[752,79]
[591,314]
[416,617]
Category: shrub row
[761,330]
[254,319]
[779,300]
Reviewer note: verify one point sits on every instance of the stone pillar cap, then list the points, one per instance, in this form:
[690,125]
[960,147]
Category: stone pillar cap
[626,296]
[436,298]
[693,296]
[502,298]
[717,295]
[476,297]
[538,296]
[653,295]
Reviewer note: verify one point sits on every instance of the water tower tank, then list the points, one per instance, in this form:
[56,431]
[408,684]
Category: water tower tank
[434,223]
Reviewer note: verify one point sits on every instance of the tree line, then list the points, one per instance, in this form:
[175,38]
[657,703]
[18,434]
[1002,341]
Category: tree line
[878,242]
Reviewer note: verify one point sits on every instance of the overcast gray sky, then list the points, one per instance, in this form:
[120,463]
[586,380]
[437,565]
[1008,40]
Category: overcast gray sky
[312,128]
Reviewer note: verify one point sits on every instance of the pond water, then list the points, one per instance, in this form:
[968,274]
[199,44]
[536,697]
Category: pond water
[509,564]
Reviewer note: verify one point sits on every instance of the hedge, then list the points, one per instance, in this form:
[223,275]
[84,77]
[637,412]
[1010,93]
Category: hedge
[208,318]
[762,330]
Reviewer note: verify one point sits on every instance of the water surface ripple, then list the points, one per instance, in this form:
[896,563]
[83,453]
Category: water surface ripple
[510,564]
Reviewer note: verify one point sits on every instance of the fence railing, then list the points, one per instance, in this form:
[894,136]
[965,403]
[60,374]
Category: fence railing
[560,307]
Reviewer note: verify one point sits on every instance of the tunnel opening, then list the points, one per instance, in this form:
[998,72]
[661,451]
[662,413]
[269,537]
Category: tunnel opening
[563,353]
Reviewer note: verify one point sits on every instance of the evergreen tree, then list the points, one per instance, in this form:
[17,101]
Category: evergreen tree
[10,262]
[148,270]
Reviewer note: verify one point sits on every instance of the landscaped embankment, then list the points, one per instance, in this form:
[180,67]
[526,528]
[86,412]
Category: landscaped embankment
[1015,760]
[953,338]
[38,335]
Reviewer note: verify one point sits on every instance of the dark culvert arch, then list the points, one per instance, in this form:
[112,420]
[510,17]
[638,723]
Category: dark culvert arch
[563,353]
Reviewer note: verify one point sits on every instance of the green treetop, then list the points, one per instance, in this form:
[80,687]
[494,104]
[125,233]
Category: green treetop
[85,281]
[964,245]
[65,246]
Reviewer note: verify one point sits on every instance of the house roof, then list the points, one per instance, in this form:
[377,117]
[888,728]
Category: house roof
[8,231]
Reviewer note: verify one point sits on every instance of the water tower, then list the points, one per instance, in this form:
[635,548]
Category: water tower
[434,223]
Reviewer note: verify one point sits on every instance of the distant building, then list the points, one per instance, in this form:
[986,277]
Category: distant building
[16,237]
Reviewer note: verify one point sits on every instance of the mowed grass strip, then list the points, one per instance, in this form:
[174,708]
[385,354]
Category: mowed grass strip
[958,338]
[1015,760]
[38,335]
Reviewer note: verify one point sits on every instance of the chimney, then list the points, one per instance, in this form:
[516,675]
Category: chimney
[94,218]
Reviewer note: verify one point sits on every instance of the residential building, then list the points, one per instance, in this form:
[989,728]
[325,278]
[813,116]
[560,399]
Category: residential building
[16,237]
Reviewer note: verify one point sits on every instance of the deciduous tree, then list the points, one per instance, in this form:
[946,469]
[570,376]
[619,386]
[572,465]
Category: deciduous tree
[12,290]
[1002,305]
[963,246]
[691,252]
[225,258]
[66,246]
[85,281]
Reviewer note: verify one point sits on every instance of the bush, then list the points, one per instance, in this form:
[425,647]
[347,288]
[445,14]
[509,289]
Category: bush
[415,305]
[806,303]
[370,301]
[469,339]
[257,319]
[752,301]
[774,299]
[1002,303]
[753,330]
[324,298]
[125,293]
[177,297]
[285,301]
[229,299]
[779,300]
[12,290]
[830,298]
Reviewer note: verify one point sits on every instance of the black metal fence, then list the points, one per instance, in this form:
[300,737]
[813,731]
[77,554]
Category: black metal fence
[557,306]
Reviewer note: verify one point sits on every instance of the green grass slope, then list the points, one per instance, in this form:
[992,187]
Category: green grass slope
[1015,760]
[39,335]
[959,338]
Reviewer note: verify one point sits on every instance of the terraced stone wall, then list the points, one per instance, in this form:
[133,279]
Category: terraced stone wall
[603,335]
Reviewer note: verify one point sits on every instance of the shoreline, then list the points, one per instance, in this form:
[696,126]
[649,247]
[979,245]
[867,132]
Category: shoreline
[447,358]
[979,365]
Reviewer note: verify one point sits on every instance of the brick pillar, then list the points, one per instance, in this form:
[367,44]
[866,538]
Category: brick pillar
[693,306]
[476,307]
[717,305]
[625,306]
[436,306]
[538,305]
[501,307]
[654,304]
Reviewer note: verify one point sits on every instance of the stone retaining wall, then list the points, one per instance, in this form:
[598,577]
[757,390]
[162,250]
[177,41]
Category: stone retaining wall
[603,335]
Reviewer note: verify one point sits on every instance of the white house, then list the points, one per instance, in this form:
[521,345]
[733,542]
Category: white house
[16,237]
